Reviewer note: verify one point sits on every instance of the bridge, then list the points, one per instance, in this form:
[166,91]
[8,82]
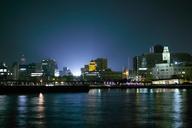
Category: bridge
[63,83]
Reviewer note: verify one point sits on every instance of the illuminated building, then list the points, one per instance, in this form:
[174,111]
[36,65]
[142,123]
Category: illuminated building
[23,75]
[101,64]
[22,69]
[85,69]
[162,71]
[34,71]
[65,72]
[26,71]
[97,65]
[174,70]
[95,69]
[92,66]
[91,76]
[125,74]
[48,66]
[146,61]
[169,70]
[15,71]
[57,73]
[110,75]
[166,55]
[3,71]
[144,65]
[98,70]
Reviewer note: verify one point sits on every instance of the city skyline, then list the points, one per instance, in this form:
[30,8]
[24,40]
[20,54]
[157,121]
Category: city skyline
[74,32]
[154,55]
[95,63]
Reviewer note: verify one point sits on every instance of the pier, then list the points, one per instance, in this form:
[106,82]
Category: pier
[20,87]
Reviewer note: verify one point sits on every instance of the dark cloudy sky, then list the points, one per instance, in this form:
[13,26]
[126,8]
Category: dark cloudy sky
[75,31]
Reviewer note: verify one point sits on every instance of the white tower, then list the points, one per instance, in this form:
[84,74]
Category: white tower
[166,54]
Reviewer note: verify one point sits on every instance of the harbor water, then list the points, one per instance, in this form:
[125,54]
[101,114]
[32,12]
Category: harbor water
[162,108]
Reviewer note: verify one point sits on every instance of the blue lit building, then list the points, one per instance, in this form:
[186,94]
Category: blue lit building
[49,67]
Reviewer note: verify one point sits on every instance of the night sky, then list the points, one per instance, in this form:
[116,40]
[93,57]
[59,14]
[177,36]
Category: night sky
[75,31]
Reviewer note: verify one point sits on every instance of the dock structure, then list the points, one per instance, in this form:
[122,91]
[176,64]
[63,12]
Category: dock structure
[42,89]
[45,83]
[20,87]
[26,87]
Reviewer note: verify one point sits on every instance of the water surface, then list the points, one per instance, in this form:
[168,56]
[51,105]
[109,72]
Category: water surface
[164,108]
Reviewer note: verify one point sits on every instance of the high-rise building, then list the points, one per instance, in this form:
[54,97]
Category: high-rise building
[26,71]
[3,71]
[65,72]
[146,61]
[34,70]
[15,71]
[48,66]
[23,74]
[101,64]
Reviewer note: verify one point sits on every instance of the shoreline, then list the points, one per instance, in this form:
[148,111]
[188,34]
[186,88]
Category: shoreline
[79,88]
[187,86]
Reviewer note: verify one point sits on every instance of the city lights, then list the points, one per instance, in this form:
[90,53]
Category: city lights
[76,73]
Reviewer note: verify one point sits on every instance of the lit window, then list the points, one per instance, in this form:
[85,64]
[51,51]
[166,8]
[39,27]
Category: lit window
[22,69]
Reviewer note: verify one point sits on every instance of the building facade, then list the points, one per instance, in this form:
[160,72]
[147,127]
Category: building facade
[49,67]
[163,65]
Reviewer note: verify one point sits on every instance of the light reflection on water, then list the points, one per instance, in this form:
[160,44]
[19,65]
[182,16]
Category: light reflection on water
[166,108]
[41,107]
[177,109]
[21,110]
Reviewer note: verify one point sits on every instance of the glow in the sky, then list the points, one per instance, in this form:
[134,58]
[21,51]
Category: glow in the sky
[76,72]
[74,31]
